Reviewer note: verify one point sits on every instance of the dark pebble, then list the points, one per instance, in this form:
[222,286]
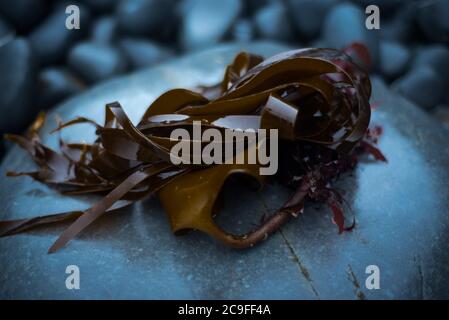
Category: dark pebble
[155,18]
[272,22]
[18,85]
[142,53]
[433,18]
[307,15]
[436,57]
[51,39]
[104,30]
[56,84]
[243,30]
[394,59]
[206,22]
[96,62]
[24,14]
[401,27]
[345,24]
[421,85]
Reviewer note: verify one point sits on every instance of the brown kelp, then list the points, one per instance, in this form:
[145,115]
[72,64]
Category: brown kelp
[317,99]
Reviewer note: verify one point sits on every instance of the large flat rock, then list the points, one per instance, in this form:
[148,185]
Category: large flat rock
[401,209]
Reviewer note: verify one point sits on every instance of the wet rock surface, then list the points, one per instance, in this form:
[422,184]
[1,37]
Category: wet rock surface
[401,212]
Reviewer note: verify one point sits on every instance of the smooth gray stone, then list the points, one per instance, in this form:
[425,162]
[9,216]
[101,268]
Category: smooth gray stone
[401,209]
[345,24]
[307,15]
[18,74]
[273,22]
[206,22]
[422,85]
[394,59]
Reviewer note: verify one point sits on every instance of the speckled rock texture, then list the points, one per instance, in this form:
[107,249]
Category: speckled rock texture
[401,209]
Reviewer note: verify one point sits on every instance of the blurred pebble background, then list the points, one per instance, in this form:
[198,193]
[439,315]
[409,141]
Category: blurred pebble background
[42,62]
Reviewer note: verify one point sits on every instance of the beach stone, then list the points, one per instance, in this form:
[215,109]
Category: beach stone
[307,15]
[394,59]
[55,85]
[437,58]
[104,30]
[51,39]
[243,30]
[272,22]
[142,53]
[205,22]
[18,85]
[95,62]
[344,24]
[422,85]
[153,18]
[401,211]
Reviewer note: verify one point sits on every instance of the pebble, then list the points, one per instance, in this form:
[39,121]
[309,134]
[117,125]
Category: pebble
[96,62]
[205,22]
[51,39]
[394,59]
[56,84]
[23,14]
[18,85]
[243,30]
[155,18]
[143,53]
[433,19]
[272,22]
[437,58]
[344,24]
[104,30]
[307,15]
[421,85]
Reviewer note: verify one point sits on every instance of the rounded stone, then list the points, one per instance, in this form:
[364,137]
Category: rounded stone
[422,85]
[51,39]
[142,53]
[56,84]
[95,62]
[272,22]
[104,30]
[345,24]
[205,22]
[394,59]
[146,17]
[18,85]
[307,15]
[401,211]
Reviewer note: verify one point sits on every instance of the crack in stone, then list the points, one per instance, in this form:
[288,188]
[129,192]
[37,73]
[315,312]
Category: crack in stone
[417,261]
[305,273]
[301,267]
[358,293]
